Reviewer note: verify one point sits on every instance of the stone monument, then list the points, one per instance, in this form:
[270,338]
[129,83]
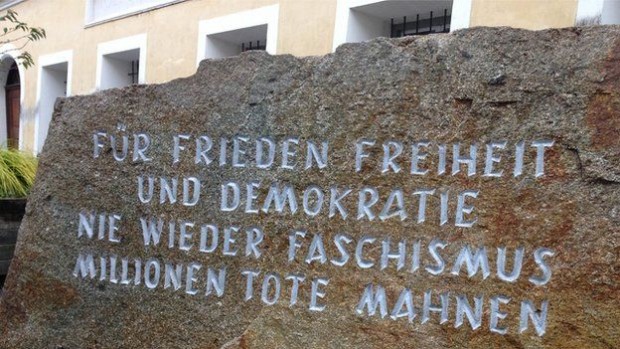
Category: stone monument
[445,191]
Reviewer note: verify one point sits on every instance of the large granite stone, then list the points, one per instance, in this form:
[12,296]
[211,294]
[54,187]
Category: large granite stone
[549,100]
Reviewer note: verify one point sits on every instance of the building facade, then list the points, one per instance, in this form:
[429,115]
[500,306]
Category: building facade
[93,45]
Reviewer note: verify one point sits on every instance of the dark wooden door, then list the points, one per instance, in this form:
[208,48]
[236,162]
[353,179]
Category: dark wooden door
[12,115]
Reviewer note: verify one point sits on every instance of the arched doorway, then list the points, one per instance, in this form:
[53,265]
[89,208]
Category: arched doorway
[12,100]
[11,93]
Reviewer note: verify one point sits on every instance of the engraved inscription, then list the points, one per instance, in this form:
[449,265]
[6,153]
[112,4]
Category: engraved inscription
[364,252]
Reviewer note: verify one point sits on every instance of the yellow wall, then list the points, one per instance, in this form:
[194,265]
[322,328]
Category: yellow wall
[306,27]
[528,14]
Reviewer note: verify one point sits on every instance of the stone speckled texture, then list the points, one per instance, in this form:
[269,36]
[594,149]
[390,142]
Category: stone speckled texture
[474,85]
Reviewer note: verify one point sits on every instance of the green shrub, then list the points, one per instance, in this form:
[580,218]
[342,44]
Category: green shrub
[17,171]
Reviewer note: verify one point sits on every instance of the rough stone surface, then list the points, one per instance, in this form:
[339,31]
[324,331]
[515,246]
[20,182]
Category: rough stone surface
[477,85]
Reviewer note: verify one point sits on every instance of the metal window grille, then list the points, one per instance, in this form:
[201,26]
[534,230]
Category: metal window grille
[254,46]
[135,71]
[430,25]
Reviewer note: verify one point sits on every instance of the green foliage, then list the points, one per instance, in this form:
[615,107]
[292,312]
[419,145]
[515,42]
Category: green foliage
[10,24]
[17,172]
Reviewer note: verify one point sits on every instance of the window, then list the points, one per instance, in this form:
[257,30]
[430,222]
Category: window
[121,62]
[232,43]
[361,20]
[54,81]
[98,11]
[422,24]
[597,12]
[230,35]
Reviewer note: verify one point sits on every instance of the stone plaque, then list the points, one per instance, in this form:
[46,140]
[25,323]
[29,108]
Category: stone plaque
[445,191]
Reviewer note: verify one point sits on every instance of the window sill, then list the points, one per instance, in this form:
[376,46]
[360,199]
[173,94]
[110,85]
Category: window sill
[129,14]
[10,4]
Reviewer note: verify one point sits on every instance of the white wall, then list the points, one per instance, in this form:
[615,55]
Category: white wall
[363,27]
[54,80]
[52,86]
[461,14]
[115,71]
[611,12]
[218,48]
[589,12]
